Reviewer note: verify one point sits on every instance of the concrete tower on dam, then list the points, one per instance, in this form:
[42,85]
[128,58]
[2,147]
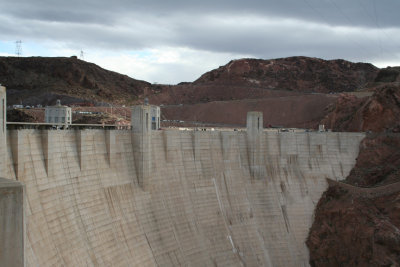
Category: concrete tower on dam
[144,120]
[149,197]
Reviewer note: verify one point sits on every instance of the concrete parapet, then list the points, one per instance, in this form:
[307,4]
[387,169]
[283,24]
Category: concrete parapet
[12,219]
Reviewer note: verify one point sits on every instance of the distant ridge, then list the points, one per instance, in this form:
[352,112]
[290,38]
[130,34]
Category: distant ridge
[36,79]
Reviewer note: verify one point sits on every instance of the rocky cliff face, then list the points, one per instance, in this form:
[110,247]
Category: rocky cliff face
[356,222]
[356,226]
[376,113]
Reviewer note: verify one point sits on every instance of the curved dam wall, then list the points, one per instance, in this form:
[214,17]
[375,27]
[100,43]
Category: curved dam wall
[173,198]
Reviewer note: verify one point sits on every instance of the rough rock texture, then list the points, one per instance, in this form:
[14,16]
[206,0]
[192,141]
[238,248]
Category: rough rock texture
[377,113]
[37,79]
[388,75]
[357,222]
[294,73]
[356,226]
[282,84]
[23,115]
[257,78]
[378,162]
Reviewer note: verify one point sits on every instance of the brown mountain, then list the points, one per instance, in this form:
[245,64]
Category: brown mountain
[302,74]
[257,78]
[288,90]
[34,80]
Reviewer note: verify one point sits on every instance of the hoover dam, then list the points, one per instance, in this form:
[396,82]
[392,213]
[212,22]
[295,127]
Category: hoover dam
[95,197]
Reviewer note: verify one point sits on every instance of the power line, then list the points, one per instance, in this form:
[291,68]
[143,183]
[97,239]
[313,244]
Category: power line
[373,16]
[327,22]
[343,13]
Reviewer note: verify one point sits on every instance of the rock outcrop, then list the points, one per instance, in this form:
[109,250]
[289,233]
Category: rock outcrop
[359,226]
[379,112]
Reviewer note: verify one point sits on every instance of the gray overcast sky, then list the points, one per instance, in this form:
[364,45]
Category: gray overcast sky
[174,41]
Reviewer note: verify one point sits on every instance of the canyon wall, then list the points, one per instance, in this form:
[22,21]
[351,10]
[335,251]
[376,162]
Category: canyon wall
[173,198]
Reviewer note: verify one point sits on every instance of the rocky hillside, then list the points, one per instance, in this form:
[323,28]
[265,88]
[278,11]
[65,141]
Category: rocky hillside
[34,80]
[283,87]
[257,78]
[357,222]
[376,113]
[302,74]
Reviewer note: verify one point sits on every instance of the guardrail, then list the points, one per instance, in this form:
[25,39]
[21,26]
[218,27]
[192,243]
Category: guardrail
[55,126]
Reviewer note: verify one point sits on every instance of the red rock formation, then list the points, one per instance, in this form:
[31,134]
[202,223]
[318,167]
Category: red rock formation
[359,229]
[377,113]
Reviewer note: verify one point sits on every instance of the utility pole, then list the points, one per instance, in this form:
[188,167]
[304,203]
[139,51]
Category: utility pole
[18,48]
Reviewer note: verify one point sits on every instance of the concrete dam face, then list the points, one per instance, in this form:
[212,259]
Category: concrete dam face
[172,198]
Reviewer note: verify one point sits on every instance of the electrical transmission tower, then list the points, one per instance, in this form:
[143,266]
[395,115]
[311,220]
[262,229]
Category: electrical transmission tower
[18,48]
[81,57]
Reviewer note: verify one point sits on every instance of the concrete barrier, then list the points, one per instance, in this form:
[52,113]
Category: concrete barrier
[183,198]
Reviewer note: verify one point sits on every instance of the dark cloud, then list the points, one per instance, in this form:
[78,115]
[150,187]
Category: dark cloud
[335,12]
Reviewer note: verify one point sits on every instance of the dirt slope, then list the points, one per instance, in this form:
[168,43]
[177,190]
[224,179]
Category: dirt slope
[302,111]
